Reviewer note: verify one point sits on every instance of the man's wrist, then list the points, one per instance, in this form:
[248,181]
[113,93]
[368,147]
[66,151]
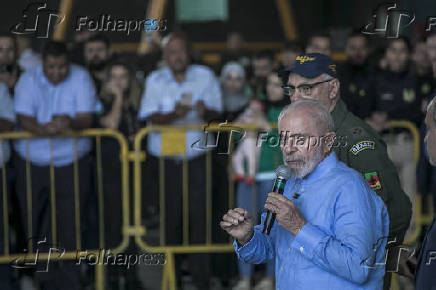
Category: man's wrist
[246,239]
[298,228]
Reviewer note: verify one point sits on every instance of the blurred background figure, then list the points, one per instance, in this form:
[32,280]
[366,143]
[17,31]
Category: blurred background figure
[76,45]
[319,42]
[262,65]
[357,76]
[422,69]
[235,50]
[246,156]
[120,97]
[28,57]
[397,99]
[288,54]
[235,93]
[426,173]
[251,195]
[97,54]
[9,70]
[181,93]
[54,98]
[7,120]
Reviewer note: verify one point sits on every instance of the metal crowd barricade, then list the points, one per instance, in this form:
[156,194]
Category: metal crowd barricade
[169,279]
[32,255]
[136,229]
[419,218]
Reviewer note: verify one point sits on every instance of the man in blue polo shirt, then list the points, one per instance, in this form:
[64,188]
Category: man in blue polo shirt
[55,97]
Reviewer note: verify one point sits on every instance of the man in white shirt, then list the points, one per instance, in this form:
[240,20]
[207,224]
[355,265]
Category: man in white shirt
[53,98]
[182,94]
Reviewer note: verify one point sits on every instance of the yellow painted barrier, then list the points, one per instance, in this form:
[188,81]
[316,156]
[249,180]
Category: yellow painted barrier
[33,255]
[135,228]
[169,279]
[418,217]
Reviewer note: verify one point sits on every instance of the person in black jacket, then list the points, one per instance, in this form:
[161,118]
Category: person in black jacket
[357,76]
[397,99]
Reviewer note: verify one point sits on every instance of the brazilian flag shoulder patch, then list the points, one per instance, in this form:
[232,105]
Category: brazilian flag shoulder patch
[373,180]
[362,145]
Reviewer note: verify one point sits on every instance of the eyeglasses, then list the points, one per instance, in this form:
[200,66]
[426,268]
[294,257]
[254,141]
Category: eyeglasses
[304,89]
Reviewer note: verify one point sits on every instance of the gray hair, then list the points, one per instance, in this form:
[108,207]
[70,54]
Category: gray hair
[321,116]
[432,106]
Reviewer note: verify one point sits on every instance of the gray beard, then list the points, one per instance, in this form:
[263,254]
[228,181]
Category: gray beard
[308,167]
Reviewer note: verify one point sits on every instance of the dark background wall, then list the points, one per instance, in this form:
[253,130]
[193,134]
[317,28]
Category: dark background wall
[256,20]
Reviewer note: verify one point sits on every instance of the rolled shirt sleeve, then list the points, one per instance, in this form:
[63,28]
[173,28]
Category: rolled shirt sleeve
[259,249]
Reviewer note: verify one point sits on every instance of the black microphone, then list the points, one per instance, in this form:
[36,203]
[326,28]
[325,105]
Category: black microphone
[282,174]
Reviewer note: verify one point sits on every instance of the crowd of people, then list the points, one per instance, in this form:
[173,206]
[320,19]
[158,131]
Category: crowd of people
[84,84]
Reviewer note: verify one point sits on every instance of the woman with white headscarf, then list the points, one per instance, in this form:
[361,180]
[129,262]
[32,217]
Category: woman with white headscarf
[235,92]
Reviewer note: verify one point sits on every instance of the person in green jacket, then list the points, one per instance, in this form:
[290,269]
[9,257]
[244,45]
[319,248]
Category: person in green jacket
[313,76]
[252,195]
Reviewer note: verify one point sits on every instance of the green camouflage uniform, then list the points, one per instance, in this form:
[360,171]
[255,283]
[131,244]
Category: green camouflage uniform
[361,147]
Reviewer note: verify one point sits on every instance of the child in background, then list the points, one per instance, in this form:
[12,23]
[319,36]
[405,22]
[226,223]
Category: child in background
[252,197]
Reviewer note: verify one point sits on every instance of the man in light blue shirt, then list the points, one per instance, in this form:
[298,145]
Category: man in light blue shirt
[182,94]
[7,120]
[331,228]
[47,108]
[54,98]
[185,95]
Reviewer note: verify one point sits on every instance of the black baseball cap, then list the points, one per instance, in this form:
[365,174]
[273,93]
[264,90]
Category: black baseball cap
[311,65]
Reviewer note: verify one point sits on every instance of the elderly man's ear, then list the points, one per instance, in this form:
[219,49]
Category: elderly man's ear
[334,89]
[329,140]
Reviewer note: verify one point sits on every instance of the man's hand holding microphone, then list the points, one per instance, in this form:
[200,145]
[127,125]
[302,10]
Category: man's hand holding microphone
[239,224]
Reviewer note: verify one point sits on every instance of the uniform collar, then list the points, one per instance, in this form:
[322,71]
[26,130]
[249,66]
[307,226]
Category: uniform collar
[339,114]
